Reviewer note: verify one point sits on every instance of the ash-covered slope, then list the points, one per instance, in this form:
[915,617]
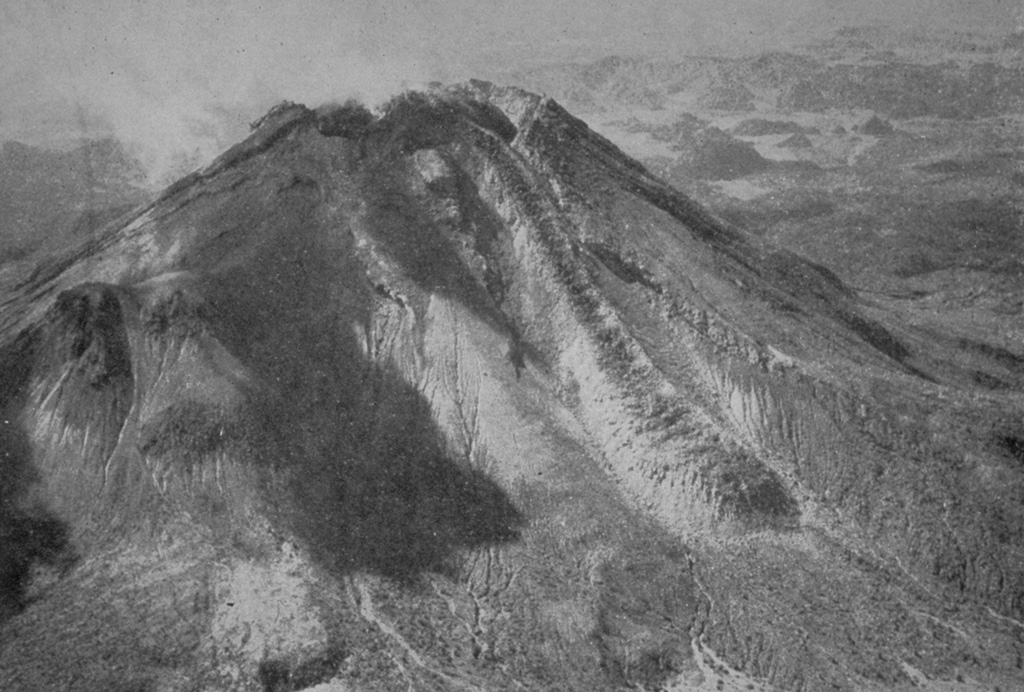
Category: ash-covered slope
[462,397]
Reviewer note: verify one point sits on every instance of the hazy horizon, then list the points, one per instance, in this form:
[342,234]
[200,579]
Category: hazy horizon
[180,79]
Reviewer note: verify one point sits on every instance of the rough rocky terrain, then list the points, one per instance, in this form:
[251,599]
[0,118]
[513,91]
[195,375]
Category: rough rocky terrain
[462,397]
[907,188]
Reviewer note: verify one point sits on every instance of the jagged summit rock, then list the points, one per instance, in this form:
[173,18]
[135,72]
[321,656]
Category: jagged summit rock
[460,396]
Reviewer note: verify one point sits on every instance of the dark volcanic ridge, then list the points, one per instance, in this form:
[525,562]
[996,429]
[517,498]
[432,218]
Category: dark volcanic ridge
[460,396]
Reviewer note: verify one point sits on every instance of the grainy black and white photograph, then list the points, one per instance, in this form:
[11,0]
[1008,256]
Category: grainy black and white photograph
[550,346]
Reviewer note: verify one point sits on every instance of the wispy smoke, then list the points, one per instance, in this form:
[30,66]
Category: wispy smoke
[179,80]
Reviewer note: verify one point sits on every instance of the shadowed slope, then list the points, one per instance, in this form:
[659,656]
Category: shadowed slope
[463,397]
[29,533]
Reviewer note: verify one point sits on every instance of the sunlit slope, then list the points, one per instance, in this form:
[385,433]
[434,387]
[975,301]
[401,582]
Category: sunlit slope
[462,397]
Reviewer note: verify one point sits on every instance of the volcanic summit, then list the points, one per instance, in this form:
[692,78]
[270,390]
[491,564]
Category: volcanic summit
[459,396]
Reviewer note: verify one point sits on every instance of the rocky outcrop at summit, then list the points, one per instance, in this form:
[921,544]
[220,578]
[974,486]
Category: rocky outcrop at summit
[460,396]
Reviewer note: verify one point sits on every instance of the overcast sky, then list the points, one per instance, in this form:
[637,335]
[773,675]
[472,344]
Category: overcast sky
[186,75]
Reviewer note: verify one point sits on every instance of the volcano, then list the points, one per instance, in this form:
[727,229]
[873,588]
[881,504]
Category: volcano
[458,396]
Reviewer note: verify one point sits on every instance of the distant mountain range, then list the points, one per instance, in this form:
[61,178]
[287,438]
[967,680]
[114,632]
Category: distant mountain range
[813,80]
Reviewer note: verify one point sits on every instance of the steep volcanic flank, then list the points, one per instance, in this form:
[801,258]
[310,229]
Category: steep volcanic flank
[462,397]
